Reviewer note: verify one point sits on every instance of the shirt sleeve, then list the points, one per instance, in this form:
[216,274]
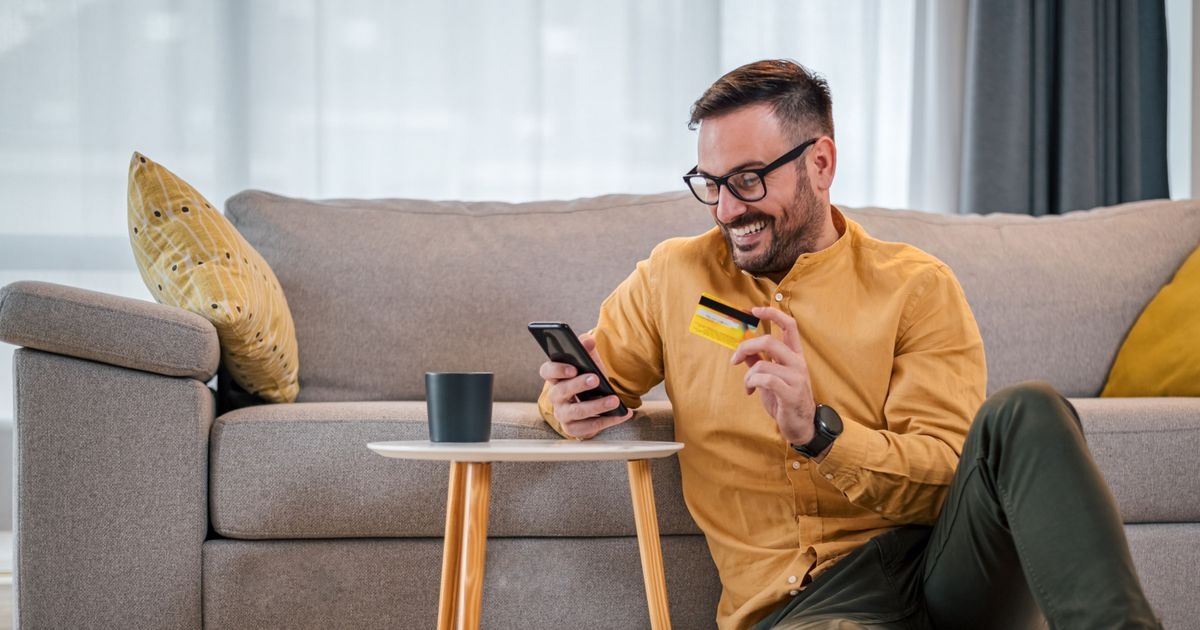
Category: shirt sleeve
[627,337]
[938,381]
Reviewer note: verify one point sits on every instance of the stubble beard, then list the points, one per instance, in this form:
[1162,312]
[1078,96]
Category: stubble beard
[796,233]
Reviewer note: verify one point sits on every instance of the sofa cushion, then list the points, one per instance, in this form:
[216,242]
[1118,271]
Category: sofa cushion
[1054,296]
[191,257]
[303,470]
[386,290]
[1146,449]
[1161,355]
[420,286]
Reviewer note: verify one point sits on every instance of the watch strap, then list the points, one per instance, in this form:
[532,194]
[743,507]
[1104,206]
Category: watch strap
[822,437]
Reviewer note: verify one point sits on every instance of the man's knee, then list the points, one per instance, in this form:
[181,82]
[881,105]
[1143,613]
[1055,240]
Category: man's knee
[1028,393]
[1031,405]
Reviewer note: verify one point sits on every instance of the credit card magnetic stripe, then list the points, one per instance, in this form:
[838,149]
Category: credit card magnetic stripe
[725,309]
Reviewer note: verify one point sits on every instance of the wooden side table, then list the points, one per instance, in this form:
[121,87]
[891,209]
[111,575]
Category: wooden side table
[467,511]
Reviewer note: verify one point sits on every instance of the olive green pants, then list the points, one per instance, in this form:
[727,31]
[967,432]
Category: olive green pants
[1028,525]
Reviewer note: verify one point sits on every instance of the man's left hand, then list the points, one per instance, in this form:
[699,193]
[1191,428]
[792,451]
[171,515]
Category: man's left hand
[779,372]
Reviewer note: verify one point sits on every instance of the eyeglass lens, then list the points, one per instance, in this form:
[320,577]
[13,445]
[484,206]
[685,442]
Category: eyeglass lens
[746,186]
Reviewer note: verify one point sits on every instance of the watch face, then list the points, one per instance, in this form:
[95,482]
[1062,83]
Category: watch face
[829,419]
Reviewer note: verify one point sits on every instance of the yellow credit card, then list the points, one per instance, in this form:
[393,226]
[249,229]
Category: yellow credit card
[718,321]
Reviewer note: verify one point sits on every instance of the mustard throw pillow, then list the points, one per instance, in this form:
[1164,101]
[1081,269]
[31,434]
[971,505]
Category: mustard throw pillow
[1161,355]
[191,257]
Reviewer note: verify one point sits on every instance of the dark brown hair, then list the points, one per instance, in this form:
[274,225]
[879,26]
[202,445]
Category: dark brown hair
[799,98]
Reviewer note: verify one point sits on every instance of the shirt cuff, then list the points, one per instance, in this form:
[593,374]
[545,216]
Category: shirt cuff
[851,451]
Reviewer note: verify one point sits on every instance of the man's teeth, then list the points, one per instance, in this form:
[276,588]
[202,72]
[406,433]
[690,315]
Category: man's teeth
[748,229]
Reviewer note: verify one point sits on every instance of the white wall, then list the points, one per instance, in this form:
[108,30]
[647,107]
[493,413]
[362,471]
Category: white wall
[1182,105]
[1195,93]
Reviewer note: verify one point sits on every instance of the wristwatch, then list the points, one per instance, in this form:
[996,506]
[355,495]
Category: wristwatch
[828,425]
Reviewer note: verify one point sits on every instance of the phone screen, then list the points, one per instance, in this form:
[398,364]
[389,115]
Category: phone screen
[562,345]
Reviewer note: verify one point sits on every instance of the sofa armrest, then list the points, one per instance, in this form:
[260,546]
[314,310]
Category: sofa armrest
[109,329]
[111,494]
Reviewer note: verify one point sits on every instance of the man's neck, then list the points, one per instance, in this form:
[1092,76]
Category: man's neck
[831,230]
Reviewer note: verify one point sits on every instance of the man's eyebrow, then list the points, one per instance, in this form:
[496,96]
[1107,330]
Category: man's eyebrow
[740,167]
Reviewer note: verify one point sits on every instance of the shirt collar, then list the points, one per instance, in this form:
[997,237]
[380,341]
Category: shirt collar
[847,232]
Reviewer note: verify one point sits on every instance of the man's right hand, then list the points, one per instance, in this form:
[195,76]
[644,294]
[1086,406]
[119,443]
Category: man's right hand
[579,418]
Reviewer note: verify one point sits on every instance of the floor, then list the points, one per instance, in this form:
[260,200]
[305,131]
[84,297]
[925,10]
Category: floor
[6,603]
[6,607]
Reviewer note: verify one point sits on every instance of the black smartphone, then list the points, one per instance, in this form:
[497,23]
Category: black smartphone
[562,345]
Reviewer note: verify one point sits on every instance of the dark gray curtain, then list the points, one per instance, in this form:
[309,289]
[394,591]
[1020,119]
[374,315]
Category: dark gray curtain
[1066,105]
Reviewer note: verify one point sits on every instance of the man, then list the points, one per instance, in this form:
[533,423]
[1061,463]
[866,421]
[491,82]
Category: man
[829,463]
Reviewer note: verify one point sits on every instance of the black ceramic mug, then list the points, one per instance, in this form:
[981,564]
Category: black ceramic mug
[460,406]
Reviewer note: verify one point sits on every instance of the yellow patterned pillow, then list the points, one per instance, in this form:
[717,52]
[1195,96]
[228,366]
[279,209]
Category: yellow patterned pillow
[191,257]
[1161,355]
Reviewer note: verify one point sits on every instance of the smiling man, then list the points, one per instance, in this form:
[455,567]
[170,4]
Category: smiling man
[833,464]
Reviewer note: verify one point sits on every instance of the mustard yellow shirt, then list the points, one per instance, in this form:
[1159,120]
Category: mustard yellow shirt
[891,345]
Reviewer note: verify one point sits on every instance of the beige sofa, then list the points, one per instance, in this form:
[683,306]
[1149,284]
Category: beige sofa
[140,505]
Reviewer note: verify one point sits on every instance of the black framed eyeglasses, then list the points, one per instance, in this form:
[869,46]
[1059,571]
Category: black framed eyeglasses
[749,184]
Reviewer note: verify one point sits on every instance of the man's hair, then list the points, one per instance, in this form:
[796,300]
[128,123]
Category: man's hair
[799,98]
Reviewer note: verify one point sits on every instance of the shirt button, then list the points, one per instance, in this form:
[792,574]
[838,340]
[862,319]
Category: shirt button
[791,579]
[778,297]
[795,465]
[828,476]
[793,593]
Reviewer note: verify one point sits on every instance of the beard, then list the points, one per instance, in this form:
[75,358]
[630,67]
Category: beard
[794,233]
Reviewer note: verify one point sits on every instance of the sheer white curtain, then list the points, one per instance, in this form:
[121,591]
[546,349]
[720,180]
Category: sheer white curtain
[464,99]
[865,50]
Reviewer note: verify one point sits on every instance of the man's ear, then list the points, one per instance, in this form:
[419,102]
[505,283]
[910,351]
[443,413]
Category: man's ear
[823,163]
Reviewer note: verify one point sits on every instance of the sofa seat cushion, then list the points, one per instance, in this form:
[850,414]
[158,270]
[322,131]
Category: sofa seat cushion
[1146,449]
[303,470]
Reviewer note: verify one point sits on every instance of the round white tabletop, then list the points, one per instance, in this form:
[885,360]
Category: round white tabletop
[525,450]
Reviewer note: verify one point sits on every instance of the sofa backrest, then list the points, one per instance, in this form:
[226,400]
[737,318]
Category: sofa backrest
[384,290]
[1054,296]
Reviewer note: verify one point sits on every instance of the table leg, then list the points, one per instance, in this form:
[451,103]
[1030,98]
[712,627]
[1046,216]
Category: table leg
[452,546]
[646,517]
[474,545]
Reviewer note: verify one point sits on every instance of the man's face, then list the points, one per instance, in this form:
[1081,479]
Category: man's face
[765,237]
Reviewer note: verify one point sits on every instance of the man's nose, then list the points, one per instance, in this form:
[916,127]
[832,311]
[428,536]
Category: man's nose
[729,207]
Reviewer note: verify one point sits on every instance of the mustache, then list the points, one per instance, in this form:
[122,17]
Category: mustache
[744,220]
